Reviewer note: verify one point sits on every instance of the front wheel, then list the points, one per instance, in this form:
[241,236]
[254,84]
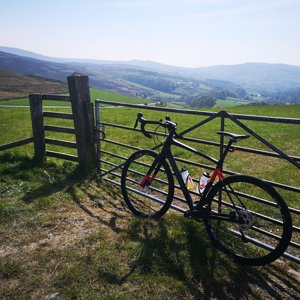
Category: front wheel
[248,220]
[147,195]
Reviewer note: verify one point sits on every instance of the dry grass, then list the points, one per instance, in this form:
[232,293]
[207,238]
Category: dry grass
[63,236]
[15,85]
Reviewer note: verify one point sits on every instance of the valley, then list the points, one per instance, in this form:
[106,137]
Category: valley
[216,86]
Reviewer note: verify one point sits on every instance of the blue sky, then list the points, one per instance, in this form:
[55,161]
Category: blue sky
[178,32]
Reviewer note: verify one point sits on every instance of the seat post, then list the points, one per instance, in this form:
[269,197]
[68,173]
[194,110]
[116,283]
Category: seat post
[224,154]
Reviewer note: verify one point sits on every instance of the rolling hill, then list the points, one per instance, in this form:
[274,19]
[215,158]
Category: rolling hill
[120,78]
[256,76]
[15,85]
[155,81]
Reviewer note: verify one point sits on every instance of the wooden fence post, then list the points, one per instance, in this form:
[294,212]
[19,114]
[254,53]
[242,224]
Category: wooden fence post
[83,120]
[37,122]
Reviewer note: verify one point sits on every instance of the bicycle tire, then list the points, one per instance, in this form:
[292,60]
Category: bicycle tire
[265,220]
[153,200]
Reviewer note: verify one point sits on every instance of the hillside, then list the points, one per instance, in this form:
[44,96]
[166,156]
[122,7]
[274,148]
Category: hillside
[277,83]
[104,77]
[259,76]
[15,85]
[120,78]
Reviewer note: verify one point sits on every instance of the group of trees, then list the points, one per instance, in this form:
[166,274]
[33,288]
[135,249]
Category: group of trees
[290,96]
[202,100]
[156,83]
[209,99]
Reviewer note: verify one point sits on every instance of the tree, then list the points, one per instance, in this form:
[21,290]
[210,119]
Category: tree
[201,101]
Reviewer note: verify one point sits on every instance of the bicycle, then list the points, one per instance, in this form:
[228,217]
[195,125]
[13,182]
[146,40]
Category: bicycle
[245,217]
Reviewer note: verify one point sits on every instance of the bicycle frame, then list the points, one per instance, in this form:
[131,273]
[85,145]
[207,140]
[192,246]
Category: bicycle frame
[167,154]
[223,207]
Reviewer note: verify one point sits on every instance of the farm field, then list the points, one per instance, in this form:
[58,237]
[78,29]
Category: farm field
[229,103]
[94,93]
[68,236]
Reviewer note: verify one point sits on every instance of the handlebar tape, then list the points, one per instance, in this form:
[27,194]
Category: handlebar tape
[140,118]
[147,134]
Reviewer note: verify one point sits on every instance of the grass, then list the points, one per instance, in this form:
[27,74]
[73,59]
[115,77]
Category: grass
[94,94]
[229,103]
[104,95]
[75,239]
[15,124]
[65,236]
[157,92]
[21,102]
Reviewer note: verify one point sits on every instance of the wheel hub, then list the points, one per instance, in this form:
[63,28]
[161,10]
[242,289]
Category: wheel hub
[246,219]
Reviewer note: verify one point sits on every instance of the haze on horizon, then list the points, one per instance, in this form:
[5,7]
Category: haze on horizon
[189,33]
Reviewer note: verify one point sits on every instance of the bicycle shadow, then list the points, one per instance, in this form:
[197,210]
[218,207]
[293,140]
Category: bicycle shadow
[98,201]
[101,205]
[179,248]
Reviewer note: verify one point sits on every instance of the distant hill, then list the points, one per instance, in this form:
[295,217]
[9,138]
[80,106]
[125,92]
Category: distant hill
[15,85]
[156,81]
[258,76]
[25,53]
[120,78]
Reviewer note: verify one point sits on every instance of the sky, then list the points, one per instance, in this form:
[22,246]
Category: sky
[189,33]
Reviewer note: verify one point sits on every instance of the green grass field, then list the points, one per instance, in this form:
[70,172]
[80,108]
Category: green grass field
[94,93]
[15,125]
[65,236]
[229,103]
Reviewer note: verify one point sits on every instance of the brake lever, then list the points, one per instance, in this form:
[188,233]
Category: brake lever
[139,117]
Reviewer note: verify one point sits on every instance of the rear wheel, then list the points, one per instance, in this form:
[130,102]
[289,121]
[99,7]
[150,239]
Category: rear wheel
[256,225]
[144,196]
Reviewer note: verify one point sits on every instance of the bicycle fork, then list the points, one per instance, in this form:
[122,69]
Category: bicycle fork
[148,179]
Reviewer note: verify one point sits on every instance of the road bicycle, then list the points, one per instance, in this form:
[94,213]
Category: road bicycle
[245,217]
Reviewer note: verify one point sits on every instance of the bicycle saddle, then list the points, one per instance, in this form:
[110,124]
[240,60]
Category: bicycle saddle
[232,136]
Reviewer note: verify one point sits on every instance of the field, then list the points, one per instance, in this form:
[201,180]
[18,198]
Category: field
[65,236]
[229,102]
[94,94]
